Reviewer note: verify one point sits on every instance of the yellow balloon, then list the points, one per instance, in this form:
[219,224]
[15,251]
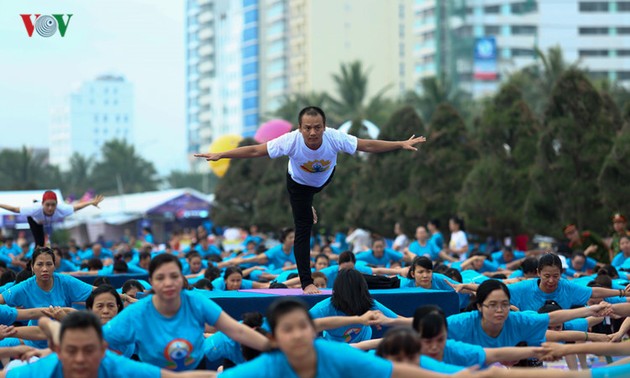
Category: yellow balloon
[222,144]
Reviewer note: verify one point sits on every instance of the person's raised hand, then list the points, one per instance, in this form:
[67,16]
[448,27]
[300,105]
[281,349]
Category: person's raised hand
[410,144]
[209,157]
[7,331]
[98,199]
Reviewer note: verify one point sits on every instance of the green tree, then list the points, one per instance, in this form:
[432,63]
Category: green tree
[435,91]
[121,168]
[352,102]
[615,174]
[203,182]
[78,179]
[571,149]
[496,187]
[292,104]
[388,184]
[25,168]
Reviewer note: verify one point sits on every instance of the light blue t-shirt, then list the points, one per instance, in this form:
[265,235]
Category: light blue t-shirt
[619,260]
[277,259]
[218,284]
[429,363]
[174,343]
[65,291]
[220,346]
[621,371]
[438,282]
[527,296]
[437,239]
[112,366]
[332,272]
[334,360]
[589,264]
[579,324]
[389,255]
[497,257]
[527,326]
[429,249]
[8,315]
[348,334]
[464,354]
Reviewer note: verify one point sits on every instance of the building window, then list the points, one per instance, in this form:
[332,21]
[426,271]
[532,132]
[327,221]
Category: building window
[593,31]
[523,7]
[598,75]
[250,68]
[523,30]
[250,86]
[623,52]
[623,30]
[95,121]
[250,33]
[276,10]
[492,30]
[492,9]
[592,53]
[623,6]
[623,75]
[250,51]
[251,16]
[593,6]
[523,53]
[104,117]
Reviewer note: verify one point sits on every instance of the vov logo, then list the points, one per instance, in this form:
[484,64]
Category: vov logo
[46,25]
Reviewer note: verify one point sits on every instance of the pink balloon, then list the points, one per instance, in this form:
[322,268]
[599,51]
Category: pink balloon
[271,130]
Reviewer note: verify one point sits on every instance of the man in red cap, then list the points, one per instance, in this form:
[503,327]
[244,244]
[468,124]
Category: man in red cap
[41,218]
[620,225]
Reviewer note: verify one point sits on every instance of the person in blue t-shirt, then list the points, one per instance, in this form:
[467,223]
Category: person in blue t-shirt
[432,326]
[301,354]
[507,258]
[233,280]
[436,235]
[82,352]
[168,326]
[423,246]
[380,256]
[531,294]
[402,344]
[622,259]
[278,258]
[580,265]
[494,325]
[421,275]
[351,297]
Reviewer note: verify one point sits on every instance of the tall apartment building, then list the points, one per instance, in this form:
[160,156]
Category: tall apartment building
[94,113]
[245,56]
[596,32]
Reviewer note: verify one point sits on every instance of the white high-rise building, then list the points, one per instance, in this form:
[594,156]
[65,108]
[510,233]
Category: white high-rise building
[96,112]
[596,32]
[245,56]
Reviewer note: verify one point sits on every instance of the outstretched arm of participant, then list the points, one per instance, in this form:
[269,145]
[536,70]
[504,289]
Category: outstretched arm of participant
[510,353]
[377,146]
[557,336]
[13,209]
[244,152]
[561,316]
[555,350]
[372,317]
[241,333]
[94,202]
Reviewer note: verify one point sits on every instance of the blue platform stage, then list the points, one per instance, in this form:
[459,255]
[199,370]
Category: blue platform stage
[402,301]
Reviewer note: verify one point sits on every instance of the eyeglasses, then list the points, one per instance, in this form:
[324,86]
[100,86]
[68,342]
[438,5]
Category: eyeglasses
[496,306]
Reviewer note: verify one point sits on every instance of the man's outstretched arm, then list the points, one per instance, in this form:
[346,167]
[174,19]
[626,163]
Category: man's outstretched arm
[244,152]
[377,146]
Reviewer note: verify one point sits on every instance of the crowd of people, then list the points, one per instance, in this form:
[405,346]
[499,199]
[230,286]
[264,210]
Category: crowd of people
[518,307]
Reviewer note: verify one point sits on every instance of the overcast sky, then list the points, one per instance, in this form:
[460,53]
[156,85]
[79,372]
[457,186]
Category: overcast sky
[140,39]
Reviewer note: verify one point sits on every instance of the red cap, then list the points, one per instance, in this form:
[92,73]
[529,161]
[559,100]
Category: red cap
[569,228]
[619,218]
[49,195]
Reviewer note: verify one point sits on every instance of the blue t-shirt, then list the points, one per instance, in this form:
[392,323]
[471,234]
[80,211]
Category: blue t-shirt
[429,363]
[332,271]
[463,354]
[348,334]
[621,371]
[8,315]
[579,324]
[497,258]
[65,291]
[589,264]
[619,260]
[112,366]
[438,282]
[429,249]
[389,255]
[174,343]
[438,240]
[527,296]
[277,259]
[527,326]
[334,360]
[220,346]
[219,284]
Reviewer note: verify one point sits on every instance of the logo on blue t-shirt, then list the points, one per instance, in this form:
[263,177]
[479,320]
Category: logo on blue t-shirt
[316,166]
[350,334]
[177,353]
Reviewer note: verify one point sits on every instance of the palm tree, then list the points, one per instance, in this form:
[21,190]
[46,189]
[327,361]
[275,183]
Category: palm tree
[122,169]
[292,104]
[26,169]
[436,91]
[78,178]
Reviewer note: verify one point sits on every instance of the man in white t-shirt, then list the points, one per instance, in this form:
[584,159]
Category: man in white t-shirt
[312,151]
[41,217]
